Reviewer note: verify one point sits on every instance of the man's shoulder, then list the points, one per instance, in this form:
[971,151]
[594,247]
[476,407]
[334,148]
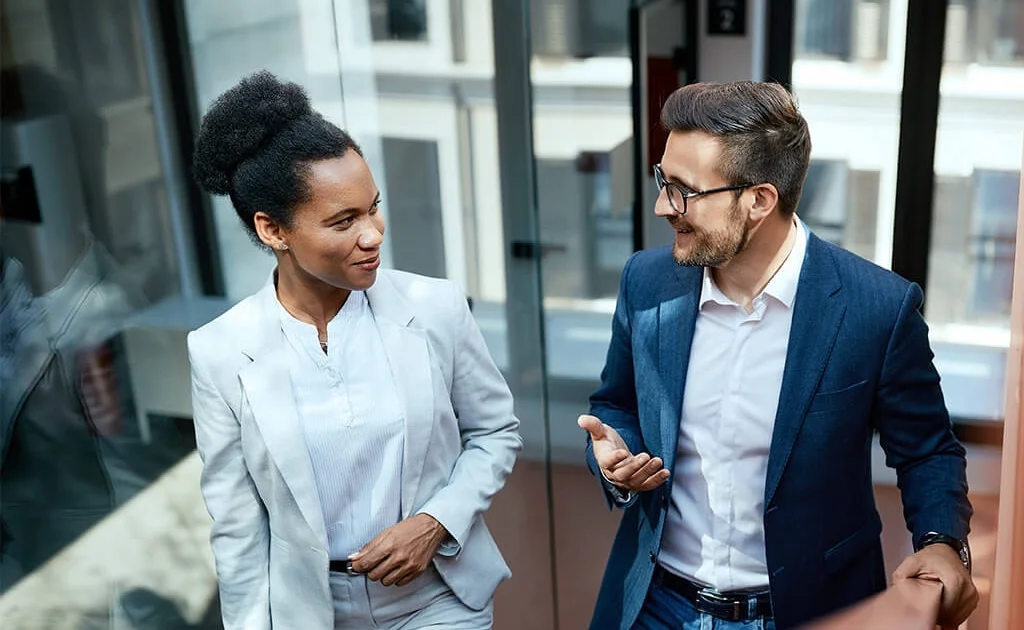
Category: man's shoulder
[658,264]
[863,276]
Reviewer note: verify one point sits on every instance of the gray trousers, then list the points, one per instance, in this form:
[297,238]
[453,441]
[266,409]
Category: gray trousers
[426,602]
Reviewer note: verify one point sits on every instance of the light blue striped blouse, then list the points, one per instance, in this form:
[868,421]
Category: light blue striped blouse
[353,422]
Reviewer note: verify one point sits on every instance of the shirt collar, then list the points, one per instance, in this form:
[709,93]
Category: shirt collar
[351,308]
[783,284]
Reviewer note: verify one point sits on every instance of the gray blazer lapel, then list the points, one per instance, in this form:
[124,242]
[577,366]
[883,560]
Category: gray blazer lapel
[408,355]
[817,314]
[268,388]
[677,317]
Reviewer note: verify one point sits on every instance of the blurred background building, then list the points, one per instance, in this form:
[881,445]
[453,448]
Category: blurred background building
[512,142]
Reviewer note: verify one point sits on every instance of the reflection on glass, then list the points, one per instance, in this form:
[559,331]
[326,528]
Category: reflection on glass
[86,245]
[844,30]
[988,32]
[404,20]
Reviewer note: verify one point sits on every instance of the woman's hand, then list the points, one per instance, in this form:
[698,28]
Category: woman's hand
[400,554]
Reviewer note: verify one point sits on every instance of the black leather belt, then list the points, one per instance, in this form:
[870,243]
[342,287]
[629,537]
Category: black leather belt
[728,606]
[342,566]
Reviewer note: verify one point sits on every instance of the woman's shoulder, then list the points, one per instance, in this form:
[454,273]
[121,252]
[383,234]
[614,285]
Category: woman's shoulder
[422,293]
[226,334]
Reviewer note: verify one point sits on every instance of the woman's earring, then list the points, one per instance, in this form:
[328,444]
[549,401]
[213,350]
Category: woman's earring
[282,246]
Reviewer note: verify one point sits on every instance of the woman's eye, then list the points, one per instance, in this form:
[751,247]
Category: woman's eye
[344,223]
[375,207]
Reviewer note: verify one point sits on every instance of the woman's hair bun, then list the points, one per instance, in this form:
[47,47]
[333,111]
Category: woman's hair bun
[241,122]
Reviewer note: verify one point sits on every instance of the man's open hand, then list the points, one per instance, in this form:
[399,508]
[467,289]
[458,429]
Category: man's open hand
[636,473]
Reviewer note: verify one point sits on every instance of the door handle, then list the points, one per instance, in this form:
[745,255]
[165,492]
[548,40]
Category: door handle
[533,250]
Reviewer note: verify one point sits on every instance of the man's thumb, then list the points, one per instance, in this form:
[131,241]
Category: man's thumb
[593,426]
[909,568]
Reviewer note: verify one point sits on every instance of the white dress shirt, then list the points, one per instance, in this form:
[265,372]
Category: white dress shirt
[714,533]
[352,420]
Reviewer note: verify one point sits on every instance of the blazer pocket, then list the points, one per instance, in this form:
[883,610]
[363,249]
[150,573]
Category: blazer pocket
[838,399]
[852,546]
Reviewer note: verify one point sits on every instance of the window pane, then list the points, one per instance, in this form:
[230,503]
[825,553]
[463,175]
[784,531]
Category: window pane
[847,77]
[977,169]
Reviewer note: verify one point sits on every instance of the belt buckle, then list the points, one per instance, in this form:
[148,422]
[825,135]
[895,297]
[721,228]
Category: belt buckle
[713,597]
[349,569]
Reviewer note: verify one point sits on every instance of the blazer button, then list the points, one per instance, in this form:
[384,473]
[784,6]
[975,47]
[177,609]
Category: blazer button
[654,558]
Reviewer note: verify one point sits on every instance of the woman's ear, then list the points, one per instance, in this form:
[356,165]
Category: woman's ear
[269,231]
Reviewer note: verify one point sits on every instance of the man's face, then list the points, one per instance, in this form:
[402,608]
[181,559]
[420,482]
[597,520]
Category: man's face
[715,227]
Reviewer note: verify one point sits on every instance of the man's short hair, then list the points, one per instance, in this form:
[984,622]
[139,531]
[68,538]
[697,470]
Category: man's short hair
[764,136]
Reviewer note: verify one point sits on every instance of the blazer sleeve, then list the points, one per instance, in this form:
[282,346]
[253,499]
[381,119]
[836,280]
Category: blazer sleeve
[487,425]
[241,533]
[915,432]
[615,401]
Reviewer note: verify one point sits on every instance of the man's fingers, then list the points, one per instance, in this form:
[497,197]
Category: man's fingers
[592,425]
[639,473]
[639,469]
[909,568]
[611,460]
[654,481]
[625,469]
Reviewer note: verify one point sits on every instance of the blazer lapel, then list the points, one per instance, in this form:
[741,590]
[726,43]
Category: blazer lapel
[677,317]
[409,358]
[818,311]
[268,388]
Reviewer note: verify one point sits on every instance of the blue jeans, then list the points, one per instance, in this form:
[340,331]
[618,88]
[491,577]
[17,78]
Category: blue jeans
[664,609]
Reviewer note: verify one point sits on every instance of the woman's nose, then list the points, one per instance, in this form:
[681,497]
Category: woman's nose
[371,238]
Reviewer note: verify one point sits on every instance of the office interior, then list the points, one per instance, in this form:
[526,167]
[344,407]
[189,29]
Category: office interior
[512,142]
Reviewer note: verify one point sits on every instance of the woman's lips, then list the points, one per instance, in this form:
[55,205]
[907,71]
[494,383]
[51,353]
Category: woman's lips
[370,264]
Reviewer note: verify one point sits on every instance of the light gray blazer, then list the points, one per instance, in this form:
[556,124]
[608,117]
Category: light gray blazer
[461,440]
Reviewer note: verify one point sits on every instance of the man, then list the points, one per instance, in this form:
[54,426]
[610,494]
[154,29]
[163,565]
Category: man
[753,362]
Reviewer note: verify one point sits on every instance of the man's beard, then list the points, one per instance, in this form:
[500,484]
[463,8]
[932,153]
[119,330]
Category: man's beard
[711,249]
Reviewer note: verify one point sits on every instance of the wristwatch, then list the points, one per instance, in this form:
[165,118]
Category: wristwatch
[960,546]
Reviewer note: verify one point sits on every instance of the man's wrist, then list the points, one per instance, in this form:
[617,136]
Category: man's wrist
[959,547]
[619,494]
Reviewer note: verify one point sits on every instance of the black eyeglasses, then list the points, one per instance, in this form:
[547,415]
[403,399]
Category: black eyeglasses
[677,195]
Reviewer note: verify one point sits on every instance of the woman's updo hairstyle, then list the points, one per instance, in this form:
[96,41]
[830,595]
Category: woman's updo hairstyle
[256,143]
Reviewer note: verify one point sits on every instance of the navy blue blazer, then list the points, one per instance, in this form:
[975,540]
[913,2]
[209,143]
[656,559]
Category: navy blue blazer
[858,362]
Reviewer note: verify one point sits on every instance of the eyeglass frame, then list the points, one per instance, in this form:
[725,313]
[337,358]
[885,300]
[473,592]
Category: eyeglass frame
[662,183]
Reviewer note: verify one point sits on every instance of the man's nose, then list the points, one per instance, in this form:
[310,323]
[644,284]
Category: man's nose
[662,207]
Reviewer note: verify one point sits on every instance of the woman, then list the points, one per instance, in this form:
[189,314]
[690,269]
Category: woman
[352,426]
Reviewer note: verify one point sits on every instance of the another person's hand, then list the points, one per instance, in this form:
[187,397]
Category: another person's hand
[941,563]
[401,553]
[636,473]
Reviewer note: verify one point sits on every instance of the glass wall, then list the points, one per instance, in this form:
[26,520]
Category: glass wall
[412,82]
[101,521]
[977,170]
[847,76]
[97,528]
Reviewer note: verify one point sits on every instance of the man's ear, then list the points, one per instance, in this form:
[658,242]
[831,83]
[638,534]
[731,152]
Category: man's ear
[766,201]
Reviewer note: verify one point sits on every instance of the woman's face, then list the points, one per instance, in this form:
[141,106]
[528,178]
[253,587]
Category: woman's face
[336,235]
